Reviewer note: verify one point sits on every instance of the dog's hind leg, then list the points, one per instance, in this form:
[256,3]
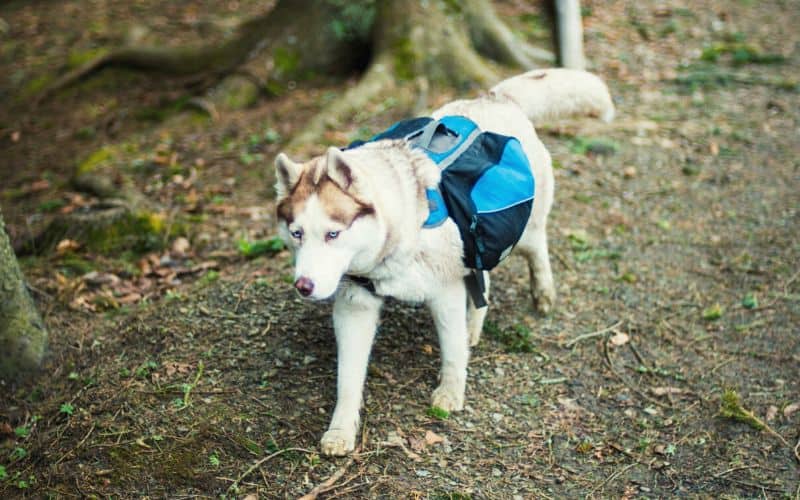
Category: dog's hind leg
[475,316]
[533,245]
[450,318]
[355,317]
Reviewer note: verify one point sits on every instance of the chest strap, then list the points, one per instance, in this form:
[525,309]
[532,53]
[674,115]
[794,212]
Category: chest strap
[363,282]
[476,286]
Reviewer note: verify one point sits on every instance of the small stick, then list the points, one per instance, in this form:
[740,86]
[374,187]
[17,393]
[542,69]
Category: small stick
[797,450]
[733,469]
[590,335]
[328,483]
[260,462]
[612,477]
[188,391]
[625,381]
[83,441]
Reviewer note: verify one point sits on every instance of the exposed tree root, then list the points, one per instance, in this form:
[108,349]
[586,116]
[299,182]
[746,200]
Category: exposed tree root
[283,31]
[493,39]
[378,80]
[417,47]
[414,46]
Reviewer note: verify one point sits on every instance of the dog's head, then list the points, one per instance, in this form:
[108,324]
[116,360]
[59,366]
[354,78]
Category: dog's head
[326,216]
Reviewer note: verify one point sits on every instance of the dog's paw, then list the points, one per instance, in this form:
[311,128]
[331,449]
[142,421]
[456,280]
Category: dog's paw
[337,442]
[543,301]
[447,398]
[474,327]
[474,337]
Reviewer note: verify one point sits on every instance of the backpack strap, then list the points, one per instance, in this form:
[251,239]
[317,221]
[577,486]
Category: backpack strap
[363,282]
[476,287]
[437,210]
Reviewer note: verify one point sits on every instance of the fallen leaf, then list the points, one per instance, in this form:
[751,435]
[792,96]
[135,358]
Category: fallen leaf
[663,391]
[569,405]
[416,444]
[181,246]
[65,246]
[620,338]
[144,266]
[772,412]
[39,185]
[433,438]
[395,439]
[95,278]
[203,266]
[792,408]
[427,349]
[130,298]
[173,367]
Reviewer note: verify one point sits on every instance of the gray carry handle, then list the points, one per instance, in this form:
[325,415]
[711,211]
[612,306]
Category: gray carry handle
[422,138]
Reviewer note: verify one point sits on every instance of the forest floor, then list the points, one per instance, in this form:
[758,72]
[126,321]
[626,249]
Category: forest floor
[193,369]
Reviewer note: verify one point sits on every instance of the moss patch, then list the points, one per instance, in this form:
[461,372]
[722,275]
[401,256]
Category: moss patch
[405,59]
[94,160]
[78,58]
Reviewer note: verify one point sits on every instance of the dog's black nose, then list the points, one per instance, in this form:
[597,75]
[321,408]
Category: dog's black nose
[305,286]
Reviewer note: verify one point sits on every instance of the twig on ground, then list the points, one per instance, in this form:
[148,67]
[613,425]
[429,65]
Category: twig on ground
[329,483]
[76,446]
[613,476]
[751,485]
[258,464]
[590,335]
[797,450]
[734,469]
[625,381]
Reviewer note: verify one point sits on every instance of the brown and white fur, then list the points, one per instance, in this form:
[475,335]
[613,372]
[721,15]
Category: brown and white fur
[360,212]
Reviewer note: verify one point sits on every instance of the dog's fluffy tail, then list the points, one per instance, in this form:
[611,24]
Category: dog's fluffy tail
[547,94]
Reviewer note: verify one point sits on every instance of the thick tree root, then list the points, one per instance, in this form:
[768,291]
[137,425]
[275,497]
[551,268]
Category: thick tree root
[419,47]
[378,80]
[296,36]
[493,39]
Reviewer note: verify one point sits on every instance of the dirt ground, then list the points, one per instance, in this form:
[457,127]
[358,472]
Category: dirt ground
[198,372]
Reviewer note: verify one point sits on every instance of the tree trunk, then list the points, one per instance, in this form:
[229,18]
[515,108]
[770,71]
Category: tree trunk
[570,34]
[22,333]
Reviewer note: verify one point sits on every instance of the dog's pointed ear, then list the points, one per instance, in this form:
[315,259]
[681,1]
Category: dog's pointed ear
[337,168]
[287,174]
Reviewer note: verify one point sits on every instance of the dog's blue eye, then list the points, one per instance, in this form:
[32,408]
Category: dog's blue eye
[297,234]
[332,235]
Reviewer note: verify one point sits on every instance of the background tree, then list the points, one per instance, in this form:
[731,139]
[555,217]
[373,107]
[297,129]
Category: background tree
[22,333]
[401,47]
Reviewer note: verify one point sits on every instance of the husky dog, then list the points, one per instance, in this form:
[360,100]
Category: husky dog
[355,216]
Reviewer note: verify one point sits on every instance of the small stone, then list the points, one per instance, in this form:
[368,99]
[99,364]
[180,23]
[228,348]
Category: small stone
[496,472]
[629,172]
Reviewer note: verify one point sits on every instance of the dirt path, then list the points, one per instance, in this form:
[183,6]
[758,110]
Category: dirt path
[675,251]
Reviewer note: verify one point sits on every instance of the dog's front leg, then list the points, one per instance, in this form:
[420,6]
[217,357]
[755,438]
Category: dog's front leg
[450,317]
[355,317]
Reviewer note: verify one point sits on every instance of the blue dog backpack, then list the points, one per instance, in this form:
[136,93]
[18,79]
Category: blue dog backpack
[487,187]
